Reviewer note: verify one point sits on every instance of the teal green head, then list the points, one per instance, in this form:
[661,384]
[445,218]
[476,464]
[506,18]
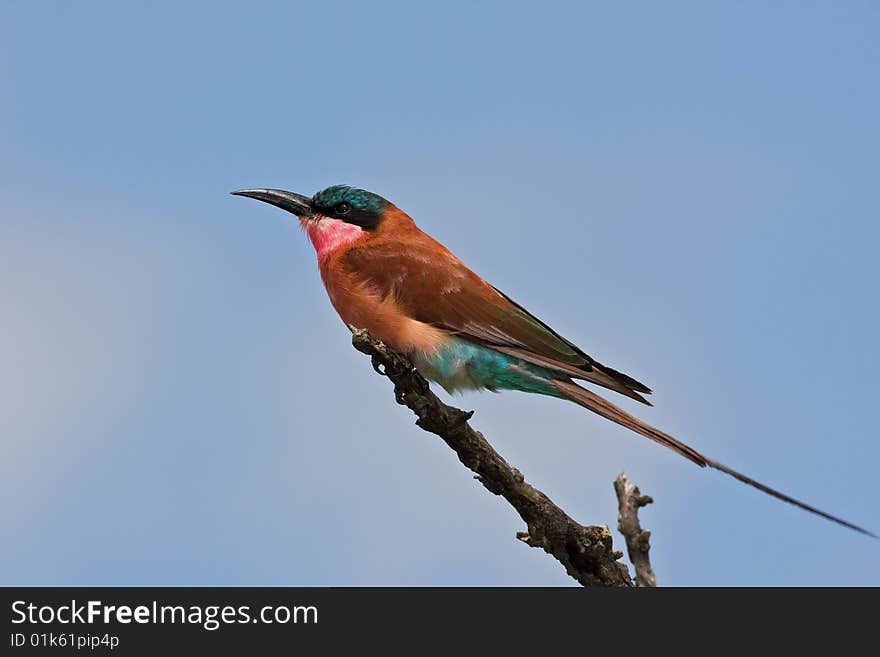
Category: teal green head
[349,204]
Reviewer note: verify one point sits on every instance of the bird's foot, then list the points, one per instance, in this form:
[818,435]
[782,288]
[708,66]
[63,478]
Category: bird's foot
[421,381]
[462,418]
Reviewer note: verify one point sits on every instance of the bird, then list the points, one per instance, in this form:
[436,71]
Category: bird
[384,274]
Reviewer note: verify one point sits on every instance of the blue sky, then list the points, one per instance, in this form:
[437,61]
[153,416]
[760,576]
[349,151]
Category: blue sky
[687,191]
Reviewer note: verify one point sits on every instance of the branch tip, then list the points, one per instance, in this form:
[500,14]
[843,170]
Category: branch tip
[629,501]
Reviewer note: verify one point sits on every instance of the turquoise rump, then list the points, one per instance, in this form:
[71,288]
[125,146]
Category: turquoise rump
[463,365]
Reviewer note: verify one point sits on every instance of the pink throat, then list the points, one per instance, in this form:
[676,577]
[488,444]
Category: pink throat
[327,235]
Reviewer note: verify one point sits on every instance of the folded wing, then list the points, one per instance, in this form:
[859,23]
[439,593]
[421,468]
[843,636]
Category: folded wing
[433,286]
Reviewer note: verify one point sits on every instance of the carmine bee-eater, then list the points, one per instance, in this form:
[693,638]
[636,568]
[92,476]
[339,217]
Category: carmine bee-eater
[385,275]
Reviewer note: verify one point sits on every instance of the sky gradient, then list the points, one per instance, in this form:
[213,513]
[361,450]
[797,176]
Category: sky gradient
[688,192]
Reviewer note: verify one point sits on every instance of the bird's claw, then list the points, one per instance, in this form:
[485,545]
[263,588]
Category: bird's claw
[424,386]
[396,369]
[377,366]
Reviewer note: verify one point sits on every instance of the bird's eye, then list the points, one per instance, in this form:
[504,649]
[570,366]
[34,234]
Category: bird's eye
[341,209]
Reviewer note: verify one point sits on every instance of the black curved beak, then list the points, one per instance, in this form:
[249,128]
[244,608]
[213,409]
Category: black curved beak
[296,204]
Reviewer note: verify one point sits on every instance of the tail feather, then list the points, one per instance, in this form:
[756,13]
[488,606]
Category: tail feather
[614,380]
[785,498]
[606,409]
[590,400]
[625,379]
[595,373]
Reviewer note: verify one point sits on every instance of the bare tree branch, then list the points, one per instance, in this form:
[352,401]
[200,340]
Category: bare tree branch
[585,552]
[629,501]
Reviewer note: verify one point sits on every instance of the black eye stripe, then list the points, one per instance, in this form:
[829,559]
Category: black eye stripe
[345,211]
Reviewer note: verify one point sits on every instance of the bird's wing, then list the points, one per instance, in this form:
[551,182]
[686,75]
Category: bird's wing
[431,285]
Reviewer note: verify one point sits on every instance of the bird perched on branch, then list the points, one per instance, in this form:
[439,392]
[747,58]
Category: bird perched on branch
[385,275]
